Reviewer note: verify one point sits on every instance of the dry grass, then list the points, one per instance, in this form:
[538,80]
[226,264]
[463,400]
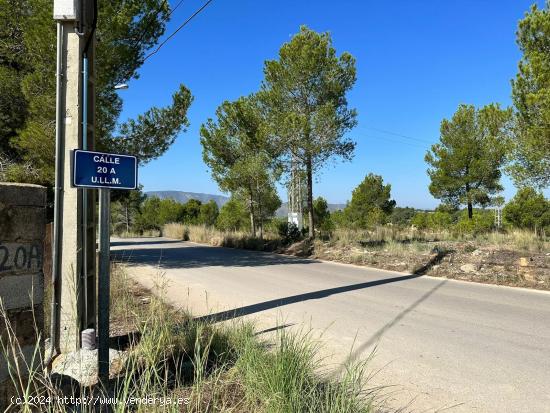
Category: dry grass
[411,239]
[210,367]
[209,235]
[130,234]
[513,257]
[391,238]
[522,240]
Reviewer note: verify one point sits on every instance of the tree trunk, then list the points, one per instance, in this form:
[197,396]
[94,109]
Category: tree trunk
[470,207]
[309,174]
[252,219]
[261,222]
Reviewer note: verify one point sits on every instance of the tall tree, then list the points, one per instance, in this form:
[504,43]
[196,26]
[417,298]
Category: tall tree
[126,207]
[370,203]
[191,211]
[152,133]
[236,151]
[233,216]
[149,218]
[13,106]
[265,200]
[322,215]
[465,166]
[209,213]
[304,94]
[528,209]
[531,96]
[320,210]
[130,206]
[126,31]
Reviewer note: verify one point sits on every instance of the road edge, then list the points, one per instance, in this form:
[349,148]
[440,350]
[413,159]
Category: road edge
[365,267]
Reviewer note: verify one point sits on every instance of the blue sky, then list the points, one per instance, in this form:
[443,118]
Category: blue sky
[416,62]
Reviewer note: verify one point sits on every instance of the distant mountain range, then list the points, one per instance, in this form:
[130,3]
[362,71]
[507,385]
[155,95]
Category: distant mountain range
[183,197]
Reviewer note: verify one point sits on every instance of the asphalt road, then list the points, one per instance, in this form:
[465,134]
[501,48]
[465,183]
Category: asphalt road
[440,344]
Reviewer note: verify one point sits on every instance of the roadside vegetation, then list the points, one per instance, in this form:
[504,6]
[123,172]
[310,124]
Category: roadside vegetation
[371,230]
[222,367]
[27,86]
[514,257]
[296,123]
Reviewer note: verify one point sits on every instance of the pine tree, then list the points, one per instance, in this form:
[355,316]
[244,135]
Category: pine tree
[209,213]
[531,95]
[370,204]
[304,94]
[465,166]
[27,85]
[236,151]
[528,209]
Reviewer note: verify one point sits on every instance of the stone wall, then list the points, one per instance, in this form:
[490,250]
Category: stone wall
[22,231]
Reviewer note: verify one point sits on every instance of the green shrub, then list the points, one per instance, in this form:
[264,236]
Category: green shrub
[482,221]
[528,209]
[370,203]
[440,220]
[289,232]
[232,216]
[420,220]
[402,216]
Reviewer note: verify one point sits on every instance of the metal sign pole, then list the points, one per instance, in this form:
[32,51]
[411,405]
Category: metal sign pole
[103,286]
[104,171]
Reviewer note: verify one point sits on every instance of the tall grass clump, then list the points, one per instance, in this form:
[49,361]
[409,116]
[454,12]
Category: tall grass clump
[176,231]
[23,366]
[211,367]
[205,234]
[520,239]
[149,233]
[287,378]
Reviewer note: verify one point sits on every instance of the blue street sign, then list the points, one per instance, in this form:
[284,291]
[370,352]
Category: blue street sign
[104,170]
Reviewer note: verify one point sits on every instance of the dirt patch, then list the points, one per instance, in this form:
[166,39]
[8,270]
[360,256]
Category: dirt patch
[454,260]
[124,318]
[302,248]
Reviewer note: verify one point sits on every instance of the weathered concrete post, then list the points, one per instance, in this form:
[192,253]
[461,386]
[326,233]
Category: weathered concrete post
[71,239]
[22,231]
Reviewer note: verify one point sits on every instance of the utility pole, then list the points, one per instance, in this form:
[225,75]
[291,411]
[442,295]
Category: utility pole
[498,202]
[295,200]
[498,217]
[74,265]
[89,197]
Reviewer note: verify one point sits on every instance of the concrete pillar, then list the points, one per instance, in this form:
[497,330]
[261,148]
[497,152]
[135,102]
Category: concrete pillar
[70,314]
[22,230]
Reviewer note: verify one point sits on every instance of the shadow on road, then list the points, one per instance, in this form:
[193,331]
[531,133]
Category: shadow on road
[315,295]
[144,241]
[188,255]
[378,334]
[272,329]
[196,256]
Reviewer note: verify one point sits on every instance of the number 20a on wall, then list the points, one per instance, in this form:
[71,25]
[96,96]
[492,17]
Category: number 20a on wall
[104,170]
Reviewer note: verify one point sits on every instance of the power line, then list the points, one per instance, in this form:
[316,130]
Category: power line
[177,30]
[399,134]
[148,27]
[396,141]
[174,9]
[150,17]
